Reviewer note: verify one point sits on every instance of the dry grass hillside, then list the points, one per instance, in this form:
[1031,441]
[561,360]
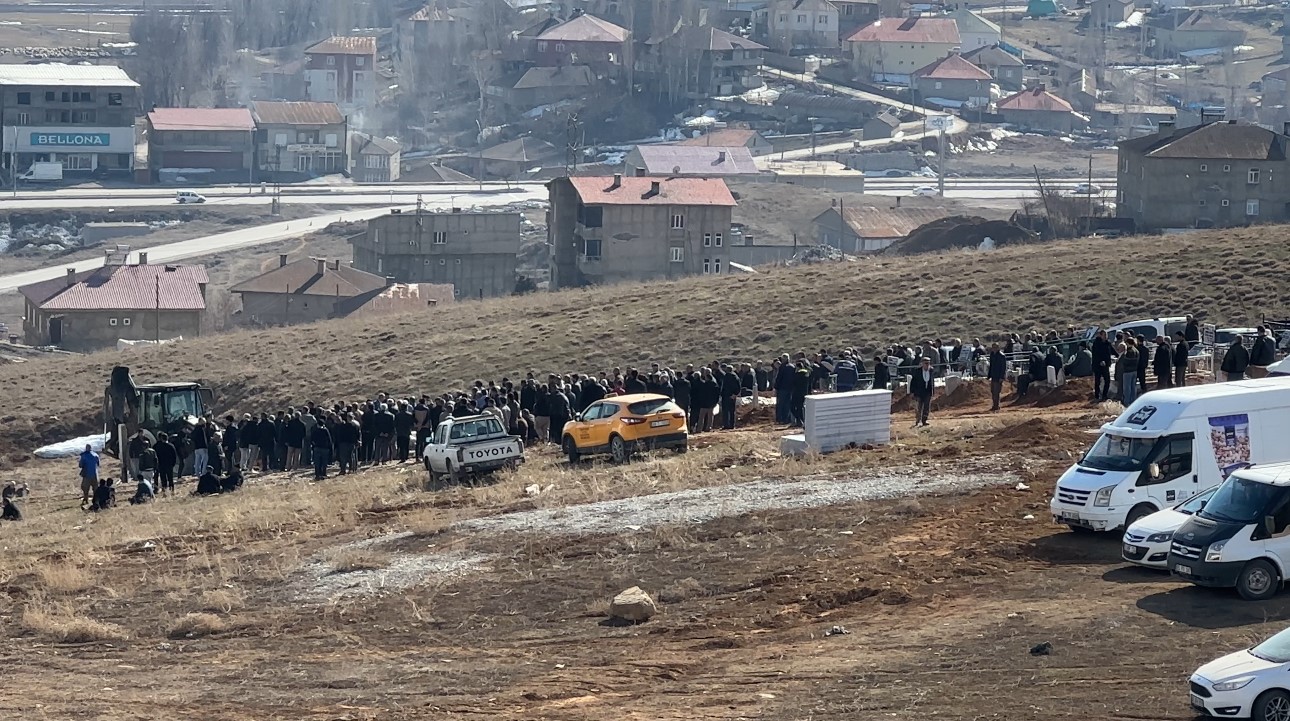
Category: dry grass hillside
[1225,276]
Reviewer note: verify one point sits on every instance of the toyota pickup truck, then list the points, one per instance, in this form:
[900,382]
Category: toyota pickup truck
[470,446]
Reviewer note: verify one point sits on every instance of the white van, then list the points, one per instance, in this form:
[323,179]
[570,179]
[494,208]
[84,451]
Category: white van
[1241,538]
[188,196]
[1168,446]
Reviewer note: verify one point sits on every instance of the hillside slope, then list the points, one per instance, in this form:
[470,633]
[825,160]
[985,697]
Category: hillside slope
[1230,276]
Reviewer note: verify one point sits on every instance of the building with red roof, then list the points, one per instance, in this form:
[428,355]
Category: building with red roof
[92,309]
[1037,109]
[342,70]
[583,40]
[201,144]
[891,49]
[607,229]
[953,82]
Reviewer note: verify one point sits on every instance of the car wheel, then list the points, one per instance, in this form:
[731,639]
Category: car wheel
[1140,511]
[571,449]
[435,481]
[1271,705]
[453,477]
[1258,581]
[618,449]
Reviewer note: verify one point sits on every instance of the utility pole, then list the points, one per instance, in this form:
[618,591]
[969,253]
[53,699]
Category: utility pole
[1088,230]
[157,280]
[940,162]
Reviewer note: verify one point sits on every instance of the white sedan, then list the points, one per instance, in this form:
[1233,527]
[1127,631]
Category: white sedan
[1146,540]
[925,191]
[1252,684]
[1086,189]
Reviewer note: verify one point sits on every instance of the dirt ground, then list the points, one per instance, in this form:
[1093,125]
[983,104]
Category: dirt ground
[903,608]
[1018,157]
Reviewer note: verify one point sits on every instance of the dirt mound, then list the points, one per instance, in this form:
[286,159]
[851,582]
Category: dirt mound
[959,231]
[968,393]
[1075,390]
[1035,433]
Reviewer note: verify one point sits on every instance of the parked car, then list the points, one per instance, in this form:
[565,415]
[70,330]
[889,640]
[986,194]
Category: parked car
[1225,336]
[925,191]
[1242,536]
[470,446]
[1086,189]
[188,196]
[1249,684]
[1146,542]
[623,425]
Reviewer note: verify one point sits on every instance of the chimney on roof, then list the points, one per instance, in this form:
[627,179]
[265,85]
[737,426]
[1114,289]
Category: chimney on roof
[322,265]
[335,264]
[654,189]
[618,181]
[389,281]
[640,172]
[1285,128]
[282,259]
[721,157]
[71,277]
[143,258]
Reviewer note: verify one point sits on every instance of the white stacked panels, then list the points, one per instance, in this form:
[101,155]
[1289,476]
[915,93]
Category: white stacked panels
[836,420]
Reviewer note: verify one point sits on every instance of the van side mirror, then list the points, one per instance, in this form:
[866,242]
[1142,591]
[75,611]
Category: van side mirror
[1154,470]
[1269,525]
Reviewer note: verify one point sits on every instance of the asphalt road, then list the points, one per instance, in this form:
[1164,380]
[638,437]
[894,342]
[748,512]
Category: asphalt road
[248,237]
[442,195]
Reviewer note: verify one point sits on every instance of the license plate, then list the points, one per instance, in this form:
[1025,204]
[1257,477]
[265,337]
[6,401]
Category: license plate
[1185,570]
[658,424]
[1070,515]
[1197,703]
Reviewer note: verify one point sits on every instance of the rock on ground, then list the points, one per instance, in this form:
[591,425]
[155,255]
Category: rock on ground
[633,605]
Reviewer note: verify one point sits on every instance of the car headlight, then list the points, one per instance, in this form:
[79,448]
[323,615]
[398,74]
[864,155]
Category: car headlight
[1234,684]
[1215,552]
[1160,537]
[1103,496]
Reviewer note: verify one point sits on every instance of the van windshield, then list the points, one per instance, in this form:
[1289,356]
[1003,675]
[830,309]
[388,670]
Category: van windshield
[1119,453]
[1241,501]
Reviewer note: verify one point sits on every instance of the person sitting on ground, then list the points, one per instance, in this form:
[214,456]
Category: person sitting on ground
[104,496]
[231,482]
[208,484]
[143,492]
[11,511]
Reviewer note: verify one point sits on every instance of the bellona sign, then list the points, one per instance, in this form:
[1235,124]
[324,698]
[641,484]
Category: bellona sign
[77,140]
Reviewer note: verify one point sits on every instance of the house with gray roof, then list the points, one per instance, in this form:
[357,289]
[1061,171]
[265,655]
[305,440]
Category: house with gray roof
[697,161]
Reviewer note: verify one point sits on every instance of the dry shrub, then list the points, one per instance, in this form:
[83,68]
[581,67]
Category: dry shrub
[358,559]
[63,624]
[909,507]
[196,625]
[222,600]
[682,590]
[64,577]
[597,608]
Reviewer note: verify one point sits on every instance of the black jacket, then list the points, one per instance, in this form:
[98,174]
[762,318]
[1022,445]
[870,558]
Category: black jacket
[922,388]
[704,393]
[784,378]
[881,376]
[230,437]
[729,386]
[1162,363]
[320,437]
[528,397]
[1263,352]
[558,405]
[1144,360]
[998,366]
[634,385]
[1236,360]
[344,432]
[167,456]
[591,392]
[681,391]
[383,423]
[403,422]
[294,435]
[201,436]
[1103,351]
[268,433]
[1180,354]
[1038,366]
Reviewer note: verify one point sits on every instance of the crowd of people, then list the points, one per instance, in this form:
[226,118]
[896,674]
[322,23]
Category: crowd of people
[386,429]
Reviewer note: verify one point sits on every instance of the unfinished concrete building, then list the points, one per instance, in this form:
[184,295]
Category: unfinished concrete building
[474,251]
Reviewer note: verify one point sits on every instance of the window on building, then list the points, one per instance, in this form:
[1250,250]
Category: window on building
[591,248]
[824,20]
[716,266]
[112,322]
[84,116]
[678,255]
[50,96]
[24,98]
[678,221]
[1204,168]
[125,321]
[331,140]
[374,161]
[559,47]
[1252,177]
[783,18]
[78,161]
[358,62]
[591,216]
[938,85]
[801,18]
[67,96]
[707,240]
[440,237]
[707,266]
[1227,168]
[114,98]
[717,240]
[541,46]
[1225,203]
[1251,207]
[331,60]
[24,119]
[1201,202]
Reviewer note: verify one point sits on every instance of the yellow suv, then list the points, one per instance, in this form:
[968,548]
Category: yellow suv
[623,425]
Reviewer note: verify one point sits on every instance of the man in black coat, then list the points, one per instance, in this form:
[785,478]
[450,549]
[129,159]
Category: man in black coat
[1162,363]
[268,441]
[1103,362]
[996,374]
[881,373]
[921,386]
[705,393]
[403,422]
[634,384]
[167,459]
[1181,356]
[729,397]
[590,393]
[1144,362]
[320,441]
[784,391]
[230,442]
[558,405]
[1263,353]
[1236,360]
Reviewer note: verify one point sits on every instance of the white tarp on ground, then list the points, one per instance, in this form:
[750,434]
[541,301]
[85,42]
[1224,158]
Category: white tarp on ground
[122,344]
[72,448]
